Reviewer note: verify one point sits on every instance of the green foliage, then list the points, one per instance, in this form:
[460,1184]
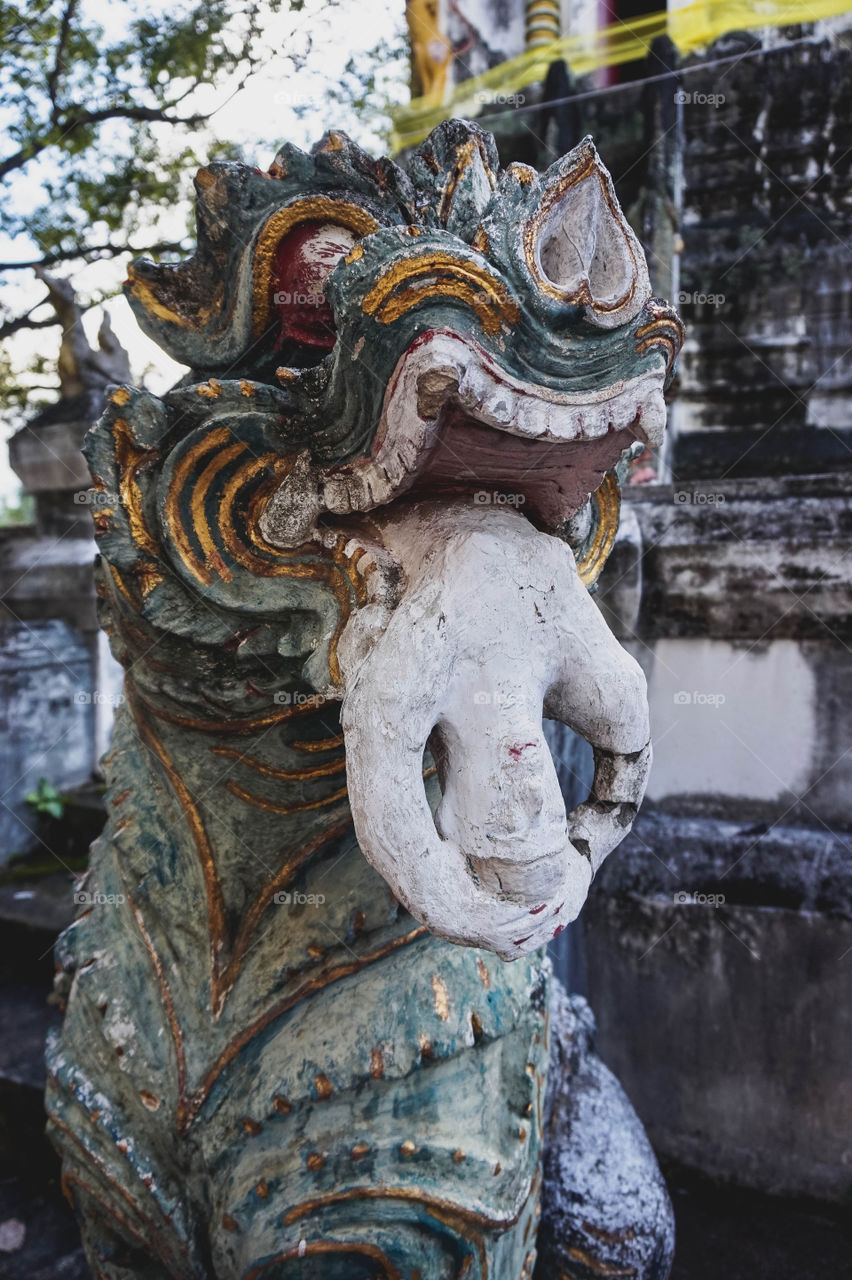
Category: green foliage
[108,108]
[89,109]
[106,111]
[20,512]
[46,800]
[370,85]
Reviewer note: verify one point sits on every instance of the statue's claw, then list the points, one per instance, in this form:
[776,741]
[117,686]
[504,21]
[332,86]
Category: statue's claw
[494,630]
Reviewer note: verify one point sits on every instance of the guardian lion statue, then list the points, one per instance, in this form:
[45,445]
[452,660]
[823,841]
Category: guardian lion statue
[346,563]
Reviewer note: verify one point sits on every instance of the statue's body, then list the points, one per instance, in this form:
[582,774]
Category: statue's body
[276,1060]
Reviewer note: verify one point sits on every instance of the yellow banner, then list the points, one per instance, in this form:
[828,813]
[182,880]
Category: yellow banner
[689,28]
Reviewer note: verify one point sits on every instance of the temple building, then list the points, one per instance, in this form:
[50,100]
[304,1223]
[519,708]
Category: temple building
[711,949]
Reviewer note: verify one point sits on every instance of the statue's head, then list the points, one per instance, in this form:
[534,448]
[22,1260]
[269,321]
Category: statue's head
[439,367]
[415,319]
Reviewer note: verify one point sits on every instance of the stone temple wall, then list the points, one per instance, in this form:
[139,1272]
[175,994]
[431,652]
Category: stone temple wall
[717,943]
[766,276]
[46,727]
[744,166]
[60,682]
[716,946]
[717,940]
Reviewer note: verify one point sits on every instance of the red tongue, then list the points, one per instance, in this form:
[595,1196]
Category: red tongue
[547,481]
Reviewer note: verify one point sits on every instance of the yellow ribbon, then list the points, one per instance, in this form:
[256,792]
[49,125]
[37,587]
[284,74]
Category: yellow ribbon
[689,28]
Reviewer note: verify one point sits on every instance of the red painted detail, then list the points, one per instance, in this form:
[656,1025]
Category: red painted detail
[233,642]
[558,930]
[519,942]
[537,910]
[303,262]
[515,752]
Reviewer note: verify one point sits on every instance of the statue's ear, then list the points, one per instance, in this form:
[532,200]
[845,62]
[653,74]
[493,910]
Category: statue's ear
[579,245]
[260,234]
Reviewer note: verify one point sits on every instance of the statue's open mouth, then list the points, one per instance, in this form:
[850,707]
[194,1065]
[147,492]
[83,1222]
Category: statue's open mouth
[502,865]
[445,403]
[454,423]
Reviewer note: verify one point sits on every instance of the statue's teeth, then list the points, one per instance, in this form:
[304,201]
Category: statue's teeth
[543,417]
[357,492]
[653,419]
[498,406]
[527,418]
[397,467]
[596,422]
[393,467]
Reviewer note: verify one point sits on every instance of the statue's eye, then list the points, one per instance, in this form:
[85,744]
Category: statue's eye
[304,259]
[583,252]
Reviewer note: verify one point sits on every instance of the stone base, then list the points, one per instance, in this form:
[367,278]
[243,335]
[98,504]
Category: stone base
[605,1208]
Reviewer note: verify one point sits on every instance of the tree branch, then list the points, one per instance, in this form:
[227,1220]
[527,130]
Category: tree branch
[82,119]
[87,252]
[56,70]
[24,322]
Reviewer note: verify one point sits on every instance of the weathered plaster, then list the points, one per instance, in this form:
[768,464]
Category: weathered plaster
[735,720]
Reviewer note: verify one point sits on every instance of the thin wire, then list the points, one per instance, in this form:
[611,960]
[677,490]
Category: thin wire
[634,84]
